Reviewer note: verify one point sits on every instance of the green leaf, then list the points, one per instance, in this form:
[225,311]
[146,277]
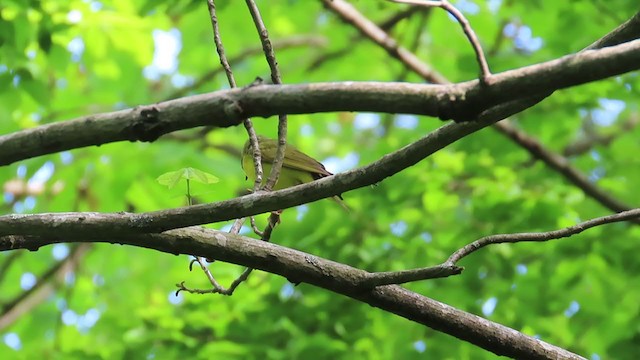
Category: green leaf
[171,178]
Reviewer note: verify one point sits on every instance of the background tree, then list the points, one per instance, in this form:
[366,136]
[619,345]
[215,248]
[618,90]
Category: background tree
[568,159]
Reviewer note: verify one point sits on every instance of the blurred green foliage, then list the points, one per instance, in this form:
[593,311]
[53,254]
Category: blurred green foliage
[63,59]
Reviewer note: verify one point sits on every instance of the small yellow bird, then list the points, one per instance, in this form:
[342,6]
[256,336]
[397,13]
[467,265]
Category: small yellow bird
[297,168]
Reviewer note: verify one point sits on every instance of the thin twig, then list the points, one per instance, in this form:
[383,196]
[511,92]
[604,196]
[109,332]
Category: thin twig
[385,25]
[282,133]
[311,41]
[217,288]
[542,236]
[404,72]
[265,235]
[257,163]
[369,29]
[255,227]
[277,79]
[237,225]
[449,267]
[485,73]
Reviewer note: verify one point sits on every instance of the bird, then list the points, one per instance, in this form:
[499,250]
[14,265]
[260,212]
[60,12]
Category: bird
[297,167]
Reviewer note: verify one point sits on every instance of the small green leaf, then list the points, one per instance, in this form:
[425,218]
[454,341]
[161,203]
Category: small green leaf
[171,178]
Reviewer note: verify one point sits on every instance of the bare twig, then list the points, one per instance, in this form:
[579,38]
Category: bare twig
[279,158]
[232,83]
[277,79]
[387,120]
[485,73]
[386,25]
[369,29]
[312,41]
[449,267]
[543,236]
[265,235]
[255,227]
[216,287]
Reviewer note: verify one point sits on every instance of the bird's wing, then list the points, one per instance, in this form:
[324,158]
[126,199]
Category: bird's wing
[295,159]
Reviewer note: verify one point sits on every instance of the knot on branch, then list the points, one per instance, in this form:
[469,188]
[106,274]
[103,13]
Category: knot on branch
[459,106]
[233,109]
[147,126]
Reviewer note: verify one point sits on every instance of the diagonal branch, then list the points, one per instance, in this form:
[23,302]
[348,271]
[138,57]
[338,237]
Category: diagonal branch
[628,31]
[561,164]
[466,27]
[369,29]
[342,279]
[256,203]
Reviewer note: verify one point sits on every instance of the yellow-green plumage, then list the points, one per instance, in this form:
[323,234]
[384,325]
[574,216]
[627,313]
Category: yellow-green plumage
[297,168]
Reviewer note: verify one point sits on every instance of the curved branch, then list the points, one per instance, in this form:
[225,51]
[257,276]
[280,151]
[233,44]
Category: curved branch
[368,28]
[466,28]
[463,101]
[342,279]
[449,267]
[542,236]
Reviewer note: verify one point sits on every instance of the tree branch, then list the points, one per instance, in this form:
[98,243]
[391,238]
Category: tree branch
[626,32]
[560,164]
[466,27]
[276,78]
[301,267]
[449,267]
[542,236]
[462,101]
[252,204]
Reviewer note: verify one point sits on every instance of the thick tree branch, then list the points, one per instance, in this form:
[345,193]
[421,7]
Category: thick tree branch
[117,224]
[463,101]
[301,267]
[628,31]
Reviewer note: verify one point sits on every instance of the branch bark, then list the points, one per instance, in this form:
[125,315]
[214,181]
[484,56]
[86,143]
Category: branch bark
[117,224]
[462,101]
[301,267]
